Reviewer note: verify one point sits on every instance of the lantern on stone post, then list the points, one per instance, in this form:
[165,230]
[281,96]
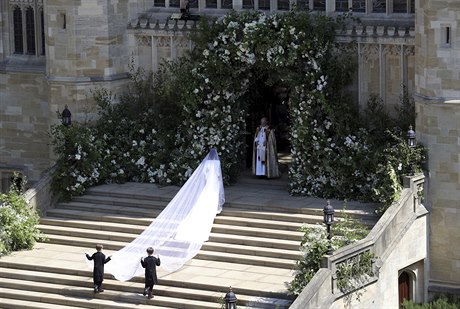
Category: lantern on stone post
[328,212]
[230,299]
[411,142]
[66,117]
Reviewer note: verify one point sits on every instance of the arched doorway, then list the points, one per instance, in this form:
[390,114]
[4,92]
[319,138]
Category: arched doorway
[269,101]
[404,286]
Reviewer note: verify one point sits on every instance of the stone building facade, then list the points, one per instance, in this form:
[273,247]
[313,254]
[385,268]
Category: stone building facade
[54,52]
[437,95]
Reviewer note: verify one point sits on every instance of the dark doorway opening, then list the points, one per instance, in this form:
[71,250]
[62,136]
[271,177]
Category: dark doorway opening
[271,102]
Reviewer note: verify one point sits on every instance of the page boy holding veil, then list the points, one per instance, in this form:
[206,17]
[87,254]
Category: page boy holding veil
[98,271]
[150,264]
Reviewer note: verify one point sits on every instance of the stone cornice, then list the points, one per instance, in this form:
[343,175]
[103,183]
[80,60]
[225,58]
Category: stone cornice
[87,79]
[446,101]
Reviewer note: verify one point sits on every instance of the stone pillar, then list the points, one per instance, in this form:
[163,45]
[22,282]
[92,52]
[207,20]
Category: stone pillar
[437,96]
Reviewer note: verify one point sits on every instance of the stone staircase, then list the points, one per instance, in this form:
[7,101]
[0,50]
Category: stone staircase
[253,246]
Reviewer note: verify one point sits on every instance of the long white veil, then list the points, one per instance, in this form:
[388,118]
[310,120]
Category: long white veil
[180,230]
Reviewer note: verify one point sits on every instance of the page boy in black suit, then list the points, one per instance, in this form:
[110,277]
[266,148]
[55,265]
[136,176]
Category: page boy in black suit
[98,271]
[150,264]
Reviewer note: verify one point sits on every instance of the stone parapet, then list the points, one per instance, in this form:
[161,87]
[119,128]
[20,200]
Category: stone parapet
[398,240]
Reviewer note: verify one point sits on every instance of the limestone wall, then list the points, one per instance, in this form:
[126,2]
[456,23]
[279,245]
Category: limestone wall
[438,68]
[438,127]
[24,123]
[4,33]
[437,72]
[86,39]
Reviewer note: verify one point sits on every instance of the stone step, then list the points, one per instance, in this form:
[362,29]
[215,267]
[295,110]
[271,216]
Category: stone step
[97,216]
[112,209]
[217,228]
[243,257]
[66,273]
[256,190]
[121,201]
[11,303]
[113,288]
[51,231]
[99,196]
[136,229]
[78,297]
[224,218]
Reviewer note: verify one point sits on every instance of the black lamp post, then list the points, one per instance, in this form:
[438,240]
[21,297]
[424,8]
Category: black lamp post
[411,142]
[230,299]
[411,138]
[66,117]
[328,220]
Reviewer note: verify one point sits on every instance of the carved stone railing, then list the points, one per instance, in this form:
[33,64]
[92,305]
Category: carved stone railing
[39,196]
[322,290]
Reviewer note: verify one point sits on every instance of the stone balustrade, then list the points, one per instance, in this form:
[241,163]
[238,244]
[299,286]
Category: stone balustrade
[322,290]
[39,196]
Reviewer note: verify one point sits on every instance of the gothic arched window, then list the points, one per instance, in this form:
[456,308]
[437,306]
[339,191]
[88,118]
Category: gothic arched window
[18,36]
[30,31]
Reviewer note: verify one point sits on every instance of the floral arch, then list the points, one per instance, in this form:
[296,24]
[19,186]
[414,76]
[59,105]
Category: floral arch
[168,121]
[295,50]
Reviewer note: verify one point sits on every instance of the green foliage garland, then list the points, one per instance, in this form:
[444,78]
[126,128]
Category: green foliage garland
[314,246]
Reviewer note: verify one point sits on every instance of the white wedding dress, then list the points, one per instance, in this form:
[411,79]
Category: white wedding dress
[180,230]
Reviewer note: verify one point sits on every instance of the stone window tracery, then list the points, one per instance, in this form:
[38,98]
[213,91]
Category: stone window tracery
[341,5]
[283,5]
[27,27]
[17,30]
[379,6]
[319,5]
[30,31]
[359,6]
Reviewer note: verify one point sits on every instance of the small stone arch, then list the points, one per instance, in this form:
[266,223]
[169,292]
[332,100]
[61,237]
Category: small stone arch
[407,281]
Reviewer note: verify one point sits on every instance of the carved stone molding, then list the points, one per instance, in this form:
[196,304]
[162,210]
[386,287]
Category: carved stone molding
[392,50]
[369,52]
[409,50]
[164,41]
[144,40]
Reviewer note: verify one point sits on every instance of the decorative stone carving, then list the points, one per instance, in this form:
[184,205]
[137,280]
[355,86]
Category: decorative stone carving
[144,40]
[392,50]
[409,50]
[164,41]
[369,52]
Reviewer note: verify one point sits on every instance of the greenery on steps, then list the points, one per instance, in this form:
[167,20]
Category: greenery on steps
[314,246]
[18,221]
[440,303]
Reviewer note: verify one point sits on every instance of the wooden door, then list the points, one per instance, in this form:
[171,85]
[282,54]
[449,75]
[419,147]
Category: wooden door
[404,285]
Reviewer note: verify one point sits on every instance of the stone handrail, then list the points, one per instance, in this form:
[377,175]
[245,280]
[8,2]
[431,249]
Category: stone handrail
[39,196]
[388,230]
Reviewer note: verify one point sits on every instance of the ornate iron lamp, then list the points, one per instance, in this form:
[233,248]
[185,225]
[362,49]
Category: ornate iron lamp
[328,211]
[66,117]
[411,142]
[230,299]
